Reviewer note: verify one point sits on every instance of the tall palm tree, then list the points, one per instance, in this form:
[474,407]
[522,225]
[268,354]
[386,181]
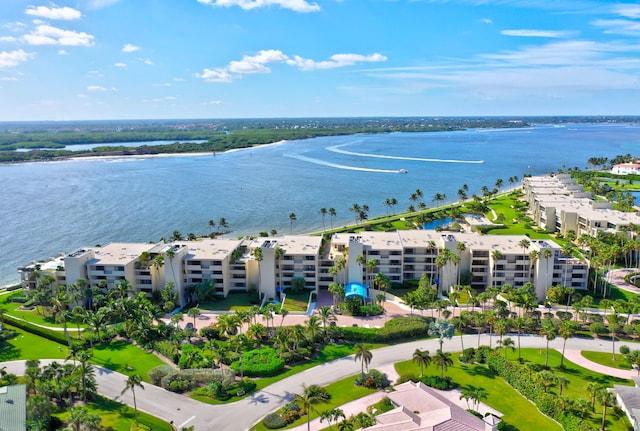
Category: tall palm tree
[496,255]
[332,214]
[323,213]
[524,243]
[326,315]
[422,358]
[364,355]
[548,331]
[134,381]
[311,395]
[566,331]
[606,399]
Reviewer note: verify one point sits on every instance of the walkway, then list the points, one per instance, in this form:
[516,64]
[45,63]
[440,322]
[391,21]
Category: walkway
[616,277]
[576,357]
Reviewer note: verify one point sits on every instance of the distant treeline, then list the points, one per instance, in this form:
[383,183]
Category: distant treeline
[45,142]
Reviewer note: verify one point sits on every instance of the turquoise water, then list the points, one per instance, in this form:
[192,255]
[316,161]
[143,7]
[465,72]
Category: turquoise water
[55,207]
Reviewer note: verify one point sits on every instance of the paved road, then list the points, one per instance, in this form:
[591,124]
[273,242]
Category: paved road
[183,411]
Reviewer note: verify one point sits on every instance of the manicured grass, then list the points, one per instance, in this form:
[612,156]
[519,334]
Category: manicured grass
[500,395]
[326,354]
[125,358]
[342,392]
[119,417]
[578,378]
[34,316]
[233,301]
[117,355]
[605,358]
[296,302]
[28,346]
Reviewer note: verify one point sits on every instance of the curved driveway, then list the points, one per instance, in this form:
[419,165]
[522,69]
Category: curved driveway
[183,411]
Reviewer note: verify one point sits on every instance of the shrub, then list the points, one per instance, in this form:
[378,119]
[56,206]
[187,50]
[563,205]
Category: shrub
[210,333]
[395,329]
[442,383]
[274,421]
[468,355]
[482,353]
[177,382]
[598,328]
[374,379]
[624,349]
[156,374]
[259,363]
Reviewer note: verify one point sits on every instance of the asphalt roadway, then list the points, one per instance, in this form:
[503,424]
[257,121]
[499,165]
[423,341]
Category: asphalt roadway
[183,411]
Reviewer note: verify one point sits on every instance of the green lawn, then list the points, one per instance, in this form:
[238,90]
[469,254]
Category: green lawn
[125,358]
[500,395]
[326,354]
[117,355]
[233,301]
[605,358]
[296,302]
[29,346]
[579,377]
[118,417]
[34,316]
[342,392]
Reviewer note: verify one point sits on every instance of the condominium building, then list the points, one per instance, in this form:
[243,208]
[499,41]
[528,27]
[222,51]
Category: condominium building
[558,204]
[270,264]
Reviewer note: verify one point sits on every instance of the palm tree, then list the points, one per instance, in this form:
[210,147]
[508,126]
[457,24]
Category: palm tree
[311,395]
[222,223]
[332,214]
[442,360]
[607,399]
[327,316]
[193,313]
[506,344]
[422,358]
[548,331]
[364,355]
[211,225]
[292,218]
[524,243]
[566,331]
[323,213]
[562,382]
[132,382]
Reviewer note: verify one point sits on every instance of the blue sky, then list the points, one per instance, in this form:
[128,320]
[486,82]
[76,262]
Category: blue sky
[130,59]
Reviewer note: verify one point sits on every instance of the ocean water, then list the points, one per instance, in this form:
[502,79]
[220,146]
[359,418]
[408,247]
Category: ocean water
[52,207]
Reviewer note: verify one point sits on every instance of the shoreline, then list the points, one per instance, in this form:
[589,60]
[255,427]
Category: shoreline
[160,155]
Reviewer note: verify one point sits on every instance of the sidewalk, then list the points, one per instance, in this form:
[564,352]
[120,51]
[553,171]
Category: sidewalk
[576,357]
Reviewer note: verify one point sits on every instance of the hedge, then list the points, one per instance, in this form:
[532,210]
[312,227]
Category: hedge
[259,363]
[548,403]
[56,336]
[395,329]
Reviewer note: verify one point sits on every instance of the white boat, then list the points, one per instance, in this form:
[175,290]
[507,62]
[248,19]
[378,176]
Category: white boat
[403,171]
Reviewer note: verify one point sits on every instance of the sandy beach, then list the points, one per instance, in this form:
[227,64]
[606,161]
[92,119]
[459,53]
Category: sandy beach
[151,156]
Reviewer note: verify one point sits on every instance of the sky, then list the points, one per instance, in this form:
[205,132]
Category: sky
[147,59]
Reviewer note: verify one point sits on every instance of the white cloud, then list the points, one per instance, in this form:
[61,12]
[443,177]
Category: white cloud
[62,52]
[8,39]
[258,64]
[178,79]
[295,5]
[124,65]
[486,21]
[215,75]
[149,62]
[164,84]
[212,102]
[618,26]
[63,13]
[96,88]
[537,33]
[14,58]
[627,10]
[8,78]
[130,48]
[336,60]
[49,35]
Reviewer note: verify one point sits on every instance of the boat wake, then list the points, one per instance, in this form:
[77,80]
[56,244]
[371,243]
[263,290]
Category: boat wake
[338,149]
[335,165]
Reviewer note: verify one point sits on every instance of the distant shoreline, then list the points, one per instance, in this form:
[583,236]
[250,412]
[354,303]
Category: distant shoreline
[158,155]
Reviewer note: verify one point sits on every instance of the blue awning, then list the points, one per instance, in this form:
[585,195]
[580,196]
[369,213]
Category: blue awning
[355,289]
